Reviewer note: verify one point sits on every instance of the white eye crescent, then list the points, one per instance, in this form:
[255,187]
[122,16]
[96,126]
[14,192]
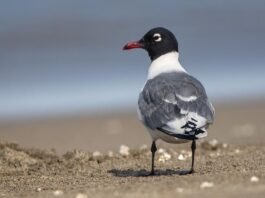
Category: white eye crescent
[157,37]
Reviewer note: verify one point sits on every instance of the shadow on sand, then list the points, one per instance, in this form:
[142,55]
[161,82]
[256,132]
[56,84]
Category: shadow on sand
[145,173]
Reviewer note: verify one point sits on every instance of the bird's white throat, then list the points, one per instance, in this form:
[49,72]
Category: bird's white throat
[168,62]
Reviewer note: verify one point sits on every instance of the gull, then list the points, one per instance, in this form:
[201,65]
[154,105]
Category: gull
[173,105]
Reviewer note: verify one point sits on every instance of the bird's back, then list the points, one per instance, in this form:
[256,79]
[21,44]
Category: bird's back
[171,96]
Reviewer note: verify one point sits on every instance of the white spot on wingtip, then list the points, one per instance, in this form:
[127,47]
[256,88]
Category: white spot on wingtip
[187,99]
[171,102]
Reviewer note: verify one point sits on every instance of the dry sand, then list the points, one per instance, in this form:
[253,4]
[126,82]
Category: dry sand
[233,168]
[220,172]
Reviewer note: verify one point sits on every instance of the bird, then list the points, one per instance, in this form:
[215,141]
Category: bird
[173,105]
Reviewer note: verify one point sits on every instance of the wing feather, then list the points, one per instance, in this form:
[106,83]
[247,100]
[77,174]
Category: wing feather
[174,96]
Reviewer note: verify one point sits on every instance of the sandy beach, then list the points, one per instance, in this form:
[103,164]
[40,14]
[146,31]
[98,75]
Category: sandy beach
[81,156]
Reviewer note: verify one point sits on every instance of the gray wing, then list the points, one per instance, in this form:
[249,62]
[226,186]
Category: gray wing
[173,95]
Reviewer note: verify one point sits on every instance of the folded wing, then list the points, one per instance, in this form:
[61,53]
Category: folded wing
[175,103]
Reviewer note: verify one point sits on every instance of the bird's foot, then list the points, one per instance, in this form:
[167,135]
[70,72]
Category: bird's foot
[191,171]
[152,173]
[187,172]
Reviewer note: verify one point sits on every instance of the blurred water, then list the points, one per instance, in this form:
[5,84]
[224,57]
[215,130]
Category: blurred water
[65,56]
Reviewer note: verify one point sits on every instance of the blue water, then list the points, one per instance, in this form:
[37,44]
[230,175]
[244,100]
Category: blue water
[60,57]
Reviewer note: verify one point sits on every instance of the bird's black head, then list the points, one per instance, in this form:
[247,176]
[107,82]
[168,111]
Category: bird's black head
[158,41]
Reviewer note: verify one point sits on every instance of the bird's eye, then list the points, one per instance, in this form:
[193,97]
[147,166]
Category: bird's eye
[157,37]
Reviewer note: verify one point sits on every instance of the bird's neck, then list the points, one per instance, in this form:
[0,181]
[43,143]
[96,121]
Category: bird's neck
[168,62]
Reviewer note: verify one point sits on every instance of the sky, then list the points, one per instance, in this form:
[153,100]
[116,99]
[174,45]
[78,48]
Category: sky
[62,57]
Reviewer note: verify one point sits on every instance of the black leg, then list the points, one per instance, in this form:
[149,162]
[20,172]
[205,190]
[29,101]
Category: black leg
[153,150]
[193,148]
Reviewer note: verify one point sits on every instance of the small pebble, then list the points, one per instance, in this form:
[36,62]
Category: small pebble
[186,153]
[179,190]
[254,179]
[181,157]
[167,156]
[110,154]
[38,189]
[161,150]
[214,143]
[96,154]
[206,185]
[164,157]
[212,154]
[81,195]
[215,154]
[124,150]
[225,145]
[189,154]
[58,193]
[211,145]
[237,151]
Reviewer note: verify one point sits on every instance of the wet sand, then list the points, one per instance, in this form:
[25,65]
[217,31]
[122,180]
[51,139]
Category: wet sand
[223,169]
[234,123]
